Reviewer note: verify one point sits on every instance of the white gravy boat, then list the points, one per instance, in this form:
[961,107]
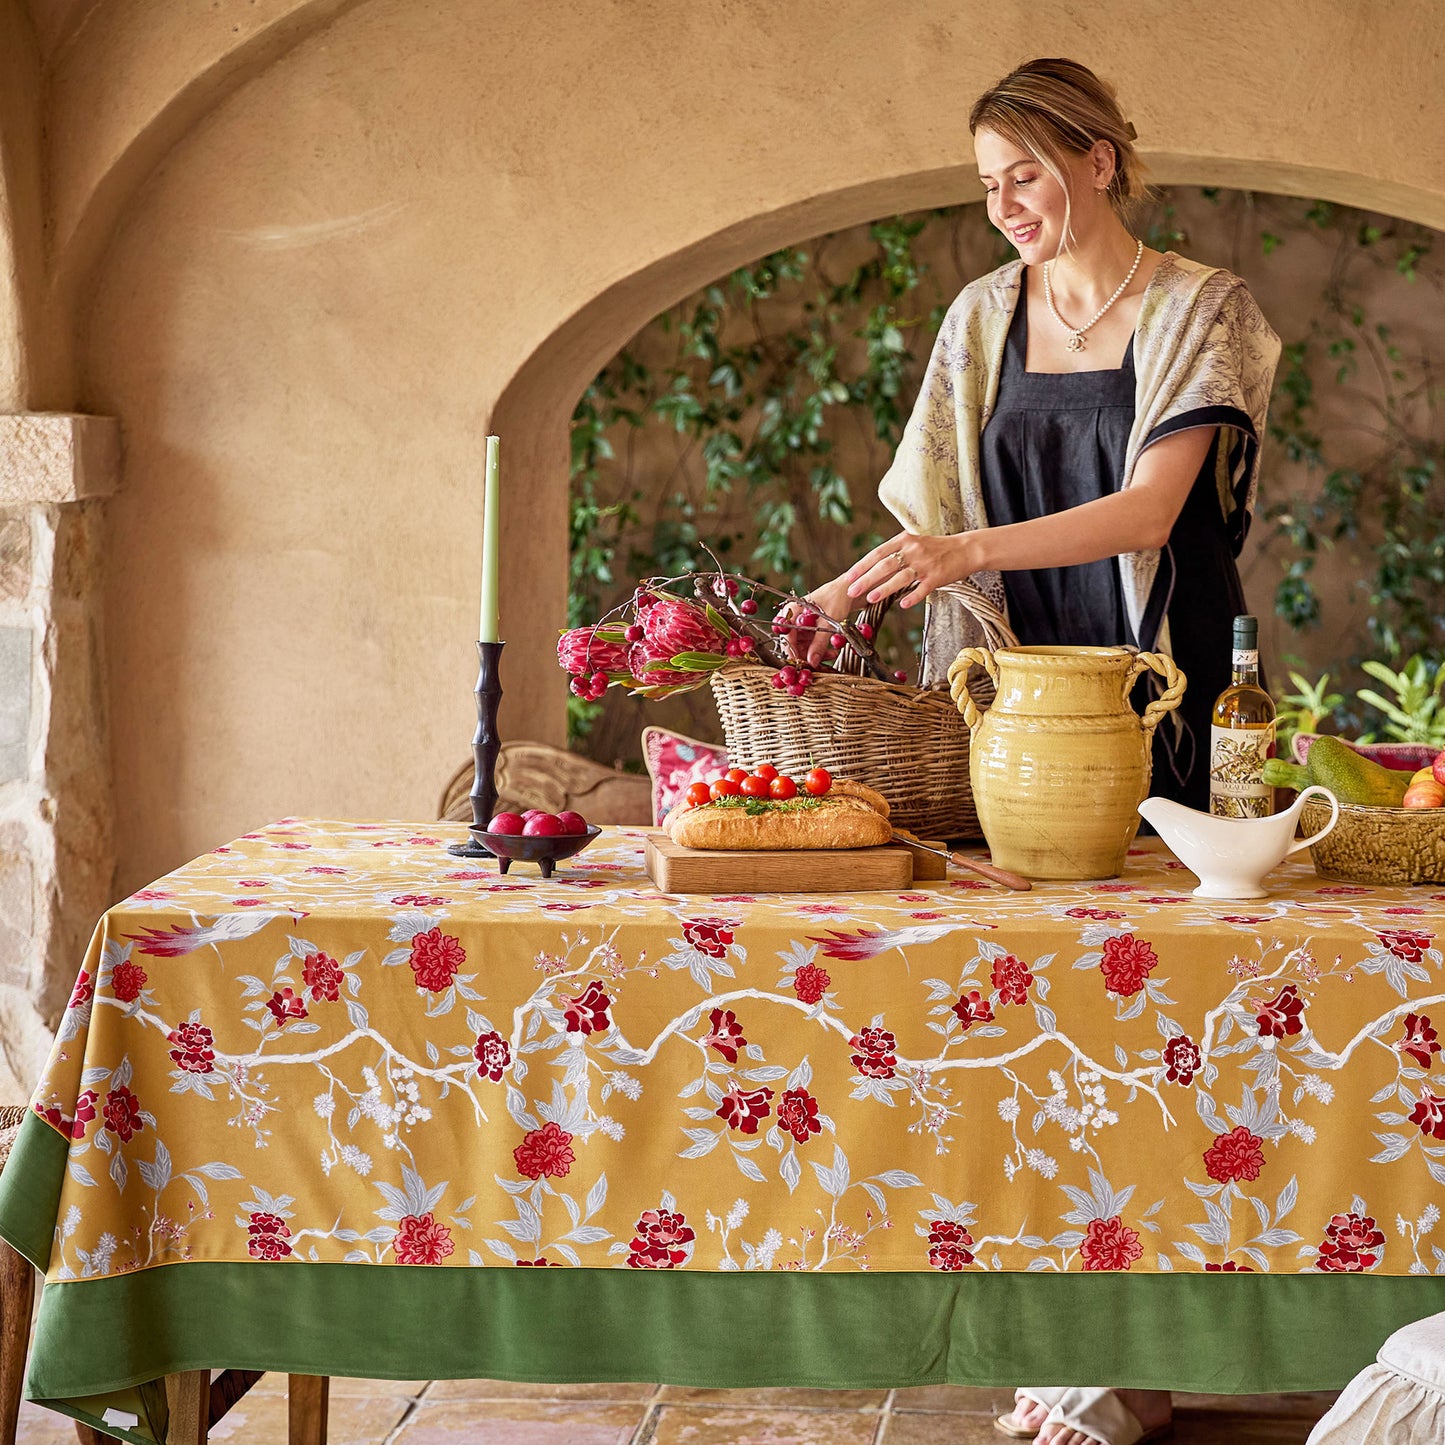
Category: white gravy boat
[1232,855]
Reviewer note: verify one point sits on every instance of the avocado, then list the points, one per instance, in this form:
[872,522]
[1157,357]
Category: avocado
[1352,778]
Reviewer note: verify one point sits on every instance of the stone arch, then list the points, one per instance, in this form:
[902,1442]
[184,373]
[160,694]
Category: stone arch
[535,407]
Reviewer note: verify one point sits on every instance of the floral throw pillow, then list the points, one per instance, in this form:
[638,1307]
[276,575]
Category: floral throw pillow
[1403,757]
[674,763]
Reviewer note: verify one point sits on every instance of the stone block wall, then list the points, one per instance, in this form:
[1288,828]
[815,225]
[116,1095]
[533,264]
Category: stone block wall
[56,850]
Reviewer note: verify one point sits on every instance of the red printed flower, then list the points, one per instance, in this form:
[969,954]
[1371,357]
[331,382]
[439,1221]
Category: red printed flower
[742,1109]
[1404,943]
[84,987]
[1127,962]
[493,1055]
[973,1008]
[286,1004]
[537,1262]
[84,1113]
[798,1114]
[725,1034]
[1101,915]
[587,1013]
[1182,1058]
[810,983]
[581,652]
[192,1048]
[419,1239]
[1110,1244]
[1429,1114]
[1420,1041]
[1228,1267]
[1011,977]
[670,626]
[435,958]
[268,1237]
[322,976]
[660,1240]
[1236,1155]
[1281,1016]
[1351,1245]
[950,1245]
[875,1055]
[547,1150]
[709,935]
[127,981]
[122,1113]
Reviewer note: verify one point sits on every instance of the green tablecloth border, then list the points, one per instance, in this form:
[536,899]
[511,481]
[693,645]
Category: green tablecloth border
[1217,1333]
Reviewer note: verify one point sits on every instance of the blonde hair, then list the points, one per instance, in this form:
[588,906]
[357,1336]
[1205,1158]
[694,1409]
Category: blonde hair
[1059,109]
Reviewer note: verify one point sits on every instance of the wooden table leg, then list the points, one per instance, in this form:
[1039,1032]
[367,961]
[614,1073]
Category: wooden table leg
[306,1399]
[189,1397]
[17,1295]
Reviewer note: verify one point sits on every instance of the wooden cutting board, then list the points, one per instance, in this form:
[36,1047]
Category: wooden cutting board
[797,870]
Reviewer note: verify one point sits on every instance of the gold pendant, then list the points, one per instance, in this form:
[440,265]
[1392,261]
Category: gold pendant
[1076,342]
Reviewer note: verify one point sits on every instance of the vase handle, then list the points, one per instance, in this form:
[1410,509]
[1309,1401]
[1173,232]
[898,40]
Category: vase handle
[1168,700]
[958,682]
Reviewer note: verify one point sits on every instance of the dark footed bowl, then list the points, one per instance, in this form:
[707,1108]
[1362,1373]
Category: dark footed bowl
[509,848]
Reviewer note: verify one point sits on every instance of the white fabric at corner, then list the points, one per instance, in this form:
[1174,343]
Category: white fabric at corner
[1399,1400]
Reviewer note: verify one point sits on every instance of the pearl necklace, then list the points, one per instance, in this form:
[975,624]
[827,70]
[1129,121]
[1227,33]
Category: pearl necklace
[1076,333]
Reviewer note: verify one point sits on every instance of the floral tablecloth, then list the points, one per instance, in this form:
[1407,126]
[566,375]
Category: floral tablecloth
[332,1044]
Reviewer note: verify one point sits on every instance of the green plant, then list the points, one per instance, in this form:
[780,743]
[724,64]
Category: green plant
[1304,709]
[1416,713]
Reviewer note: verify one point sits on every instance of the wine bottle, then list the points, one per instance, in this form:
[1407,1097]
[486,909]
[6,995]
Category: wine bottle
[1241,737]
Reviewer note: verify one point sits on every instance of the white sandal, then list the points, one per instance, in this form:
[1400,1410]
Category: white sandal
[1099,1414]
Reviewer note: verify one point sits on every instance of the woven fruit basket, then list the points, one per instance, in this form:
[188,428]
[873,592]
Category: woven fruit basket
[910,743]
[1391,846]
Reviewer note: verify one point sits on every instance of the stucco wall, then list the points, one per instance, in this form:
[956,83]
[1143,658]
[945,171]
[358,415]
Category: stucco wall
[423,220]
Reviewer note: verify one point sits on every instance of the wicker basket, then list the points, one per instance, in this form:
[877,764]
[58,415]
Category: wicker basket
[1378,845]
[909,743]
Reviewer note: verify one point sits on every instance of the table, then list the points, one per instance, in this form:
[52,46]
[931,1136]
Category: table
[321,1094]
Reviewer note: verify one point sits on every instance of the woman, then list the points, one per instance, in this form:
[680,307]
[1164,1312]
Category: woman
[1085,448]
[1085,444]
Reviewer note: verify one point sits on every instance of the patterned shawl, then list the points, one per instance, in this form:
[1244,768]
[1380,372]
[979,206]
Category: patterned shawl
[1203,355]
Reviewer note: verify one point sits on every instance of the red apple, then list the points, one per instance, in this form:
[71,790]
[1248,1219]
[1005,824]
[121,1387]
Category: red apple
[1438,768]
[506,823]
[544,825]
[572,822]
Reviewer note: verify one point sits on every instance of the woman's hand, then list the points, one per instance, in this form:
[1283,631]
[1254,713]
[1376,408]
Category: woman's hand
[810,644]
[918,564]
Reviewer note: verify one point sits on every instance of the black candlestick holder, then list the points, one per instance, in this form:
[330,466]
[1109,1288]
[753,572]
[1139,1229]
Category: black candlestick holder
[486,744]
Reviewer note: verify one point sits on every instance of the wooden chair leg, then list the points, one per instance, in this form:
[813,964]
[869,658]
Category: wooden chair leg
[307,1397]
[89,1435]
[189,1397]
[17,1295]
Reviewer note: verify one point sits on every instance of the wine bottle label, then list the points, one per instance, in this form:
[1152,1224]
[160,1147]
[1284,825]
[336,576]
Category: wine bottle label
[1236,765]
[1247,657]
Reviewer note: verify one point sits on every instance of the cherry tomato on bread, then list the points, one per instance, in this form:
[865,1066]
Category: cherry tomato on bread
[818,781]
[782,788]
[765,770]
[736,774]
[698,794]
[725,788]
[754,786]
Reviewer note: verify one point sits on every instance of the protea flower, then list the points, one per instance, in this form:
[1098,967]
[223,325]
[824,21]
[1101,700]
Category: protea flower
[583,653]
[670,626]
[641,653]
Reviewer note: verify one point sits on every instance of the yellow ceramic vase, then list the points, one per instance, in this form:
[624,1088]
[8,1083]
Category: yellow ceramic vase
[1060,761]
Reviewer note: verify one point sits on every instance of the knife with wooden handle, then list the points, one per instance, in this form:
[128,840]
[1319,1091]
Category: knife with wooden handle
[992,872]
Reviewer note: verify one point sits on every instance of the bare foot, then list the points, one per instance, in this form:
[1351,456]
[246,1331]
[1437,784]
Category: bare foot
[1028,1414]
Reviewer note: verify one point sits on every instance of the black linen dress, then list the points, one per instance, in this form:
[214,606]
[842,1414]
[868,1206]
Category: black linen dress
[1058,440]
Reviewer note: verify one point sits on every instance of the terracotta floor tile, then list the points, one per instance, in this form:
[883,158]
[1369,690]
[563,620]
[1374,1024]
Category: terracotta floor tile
[703,1425]
[1306,1404]
[776,1399]
[961,1399]
[39,1426]
[357,1420]
[521,1422]
[520,1390]
[1222,1429]
[934,1428]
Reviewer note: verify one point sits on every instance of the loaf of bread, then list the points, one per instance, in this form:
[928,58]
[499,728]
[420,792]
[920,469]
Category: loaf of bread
[844,818]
